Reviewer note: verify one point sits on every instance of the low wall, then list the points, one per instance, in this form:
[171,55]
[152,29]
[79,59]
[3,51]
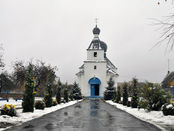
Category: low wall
[11,95]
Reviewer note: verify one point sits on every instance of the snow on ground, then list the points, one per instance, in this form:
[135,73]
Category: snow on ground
[155,117]
[18,103]
[11,101]
[23,117]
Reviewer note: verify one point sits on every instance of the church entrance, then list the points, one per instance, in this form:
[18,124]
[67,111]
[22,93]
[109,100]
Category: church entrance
[95,86]
[95,90]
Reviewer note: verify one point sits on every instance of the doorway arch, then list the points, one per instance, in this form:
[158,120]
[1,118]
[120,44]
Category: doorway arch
[94,86]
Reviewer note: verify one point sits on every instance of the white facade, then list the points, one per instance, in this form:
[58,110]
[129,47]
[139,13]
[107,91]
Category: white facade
[96,70]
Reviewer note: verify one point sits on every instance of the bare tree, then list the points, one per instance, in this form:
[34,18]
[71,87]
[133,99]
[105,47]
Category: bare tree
[166,26]
[2,65]
[19,75]
[41,72]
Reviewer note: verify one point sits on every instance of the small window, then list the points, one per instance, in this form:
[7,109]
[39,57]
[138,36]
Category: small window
[95,67]
[95,54]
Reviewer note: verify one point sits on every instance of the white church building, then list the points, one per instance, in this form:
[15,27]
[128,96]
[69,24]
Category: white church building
[96,71]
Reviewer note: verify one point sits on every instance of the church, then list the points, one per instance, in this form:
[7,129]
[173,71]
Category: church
[96,71]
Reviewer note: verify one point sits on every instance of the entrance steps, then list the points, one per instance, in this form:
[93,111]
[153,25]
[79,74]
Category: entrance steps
[94,98]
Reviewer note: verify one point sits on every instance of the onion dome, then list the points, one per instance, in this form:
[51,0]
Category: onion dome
[103,46]
[96,42]
[96,30]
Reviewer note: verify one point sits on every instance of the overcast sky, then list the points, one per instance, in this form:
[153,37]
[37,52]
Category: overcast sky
[59,32]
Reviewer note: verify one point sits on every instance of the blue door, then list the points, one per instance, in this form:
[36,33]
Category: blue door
[95,86]
[92,90]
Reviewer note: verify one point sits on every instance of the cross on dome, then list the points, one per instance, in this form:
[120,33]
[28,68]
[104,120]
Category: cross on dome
[96,42]
[96,30]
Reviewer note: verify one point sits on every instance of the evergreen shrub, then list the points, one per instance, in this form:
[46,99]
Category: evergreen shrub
[54,103]
[168,109]
[118,95]
[128,103]
[110,90]
[142,104]
[28,96]
[76,92]
[153,97]
[66,95]
[39,104]
[125,94]
[49,91]
[134,100]
[58,92]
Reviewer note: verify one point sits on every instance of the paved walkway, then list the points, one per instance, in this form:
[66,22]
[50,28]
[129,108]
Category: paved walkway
[89,115]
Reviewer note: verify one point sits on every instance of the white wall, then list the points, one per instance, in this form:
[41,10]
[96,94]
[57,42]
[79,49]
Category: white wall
[89,72]
[90,55]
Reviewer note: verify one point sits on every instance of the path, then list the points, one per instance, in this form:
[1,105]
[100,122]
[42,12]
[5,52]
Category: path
[89,115]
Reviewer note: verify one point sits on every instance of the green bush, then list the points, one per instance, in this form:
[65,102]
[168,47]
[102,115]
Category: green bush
[49,91]
[168,109]
[58,92]
[29,93]
[128,103]
[154,96]
[39,104]
[142,104]
[75,92]
[110,90]
[134,100]
[54,103]
[8,109]
[125,94]
[118,95]
[66,94]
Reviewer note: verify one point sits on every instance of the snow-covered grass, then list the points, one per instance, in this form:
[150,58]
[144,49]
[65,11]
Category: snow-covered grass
[155,117]
[18,103]
[23,117]
[11,101]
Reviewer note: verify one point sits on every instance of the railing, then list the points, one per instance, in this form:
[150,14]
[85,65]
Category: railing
[4,99]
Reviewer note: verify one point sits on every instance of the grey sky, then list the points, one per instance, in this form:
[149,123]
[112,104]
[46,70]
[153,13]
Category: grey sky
[59,32]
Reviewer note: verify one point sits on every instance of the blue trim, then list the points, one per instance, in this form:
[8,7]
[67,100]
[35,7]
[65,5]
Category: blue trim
[172,90]
[4,99]
[98,97]
[93,82]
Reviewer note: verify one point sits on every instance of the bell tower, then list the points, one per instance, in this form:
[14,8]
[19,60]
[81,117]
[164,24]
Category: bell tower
[95,50]
[96,69]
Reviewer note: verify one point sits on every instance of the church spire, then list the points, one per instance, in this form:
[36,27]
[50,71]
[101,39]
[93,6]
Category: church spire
[96,30]
[96,43]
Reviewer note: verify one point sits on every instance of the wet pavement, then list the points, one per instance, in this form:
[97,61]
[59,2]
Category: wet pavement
[88,115]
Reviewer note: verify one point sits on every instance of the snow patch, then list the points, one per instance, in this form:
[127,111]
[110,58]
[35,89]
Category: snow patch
[169,106]
[23,117]
[154,117]
[11,101]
